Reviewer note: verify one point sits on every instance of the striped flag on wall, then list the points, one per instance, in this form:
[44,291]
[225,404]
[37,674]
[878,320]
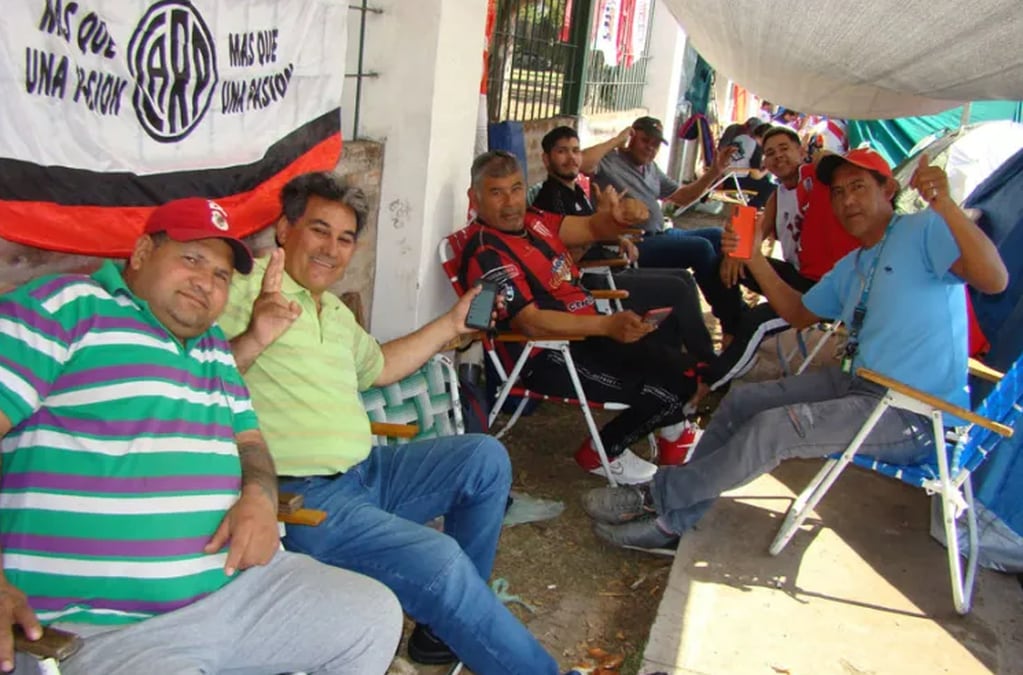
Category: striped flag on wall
[109,108]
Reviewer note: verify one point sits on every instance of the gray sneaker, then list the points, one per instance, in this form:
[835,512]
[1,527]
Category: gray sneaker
[616,505]
[639,535]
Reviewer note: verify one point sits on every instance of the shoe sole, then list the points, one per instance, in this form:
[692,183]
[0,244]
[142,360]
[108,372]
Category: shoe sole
[668,552]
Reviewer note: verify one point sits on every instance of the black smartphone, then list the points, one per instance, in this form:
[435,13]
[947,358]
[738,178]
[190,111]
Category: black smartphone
[54,644]
[482,306]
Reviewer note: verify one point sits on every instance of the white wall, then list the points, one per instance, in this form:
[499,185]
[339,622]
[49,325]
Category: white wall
[664,73]
[423,106]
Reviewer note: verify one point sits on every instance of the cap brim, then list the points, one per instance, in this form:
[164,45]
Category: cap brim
[242,254]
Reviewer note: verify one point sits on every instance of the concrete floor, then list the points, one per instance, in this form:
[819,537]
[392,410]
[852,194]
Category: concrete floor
[861,589]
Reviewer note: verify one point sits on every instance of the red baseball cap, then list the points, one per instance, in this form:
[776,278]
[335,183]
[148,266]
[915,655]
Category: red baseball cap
[196,218]
[865,158]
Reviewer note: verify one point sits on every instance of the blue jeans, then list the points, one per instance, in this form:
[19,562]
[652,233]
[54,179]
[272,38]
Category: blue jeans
[673,248]
[375,515]
[757,426]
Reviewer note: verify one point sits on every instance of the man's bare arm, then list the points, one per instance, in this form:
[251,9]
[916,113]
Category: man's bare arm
[402,356]
[623,327]
[693,191]
[785,300]
[258,473]
[979,263]
[533,321]
[613,213]
[593,154]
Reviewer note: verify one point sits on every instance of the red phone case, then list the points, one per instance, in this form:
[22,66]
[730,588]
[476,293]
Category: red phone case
[744,219]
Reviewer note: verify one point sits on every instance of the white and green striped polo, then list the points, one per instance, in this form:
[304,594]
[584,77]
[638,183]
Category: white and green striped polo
[122,459]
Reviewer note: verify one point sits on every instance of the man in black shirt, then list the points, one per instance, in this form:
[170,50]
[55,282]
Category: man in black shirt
[648,288]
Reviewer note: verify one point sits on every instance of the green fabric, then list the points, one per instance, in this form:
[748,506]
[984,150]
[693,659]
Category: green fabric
[122,461]
[896,137]
[423,398]
[305,385]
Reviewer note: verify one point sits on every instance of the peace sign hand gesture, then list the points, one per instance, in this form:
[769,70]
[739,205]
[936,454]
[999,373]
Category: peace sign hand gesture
[272,313]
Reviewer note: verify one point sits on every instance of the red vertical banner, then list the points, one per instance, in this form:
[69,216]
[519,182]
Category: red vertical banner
[566,22]
[625,55]
[488,35]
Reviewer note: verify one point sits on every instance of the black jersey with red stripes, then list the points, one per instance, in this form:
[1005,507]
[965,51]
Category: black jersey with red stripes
[531,266]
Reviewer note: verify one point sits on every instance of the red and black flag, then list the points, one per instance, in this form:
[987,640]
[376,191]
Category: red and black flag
[110,108]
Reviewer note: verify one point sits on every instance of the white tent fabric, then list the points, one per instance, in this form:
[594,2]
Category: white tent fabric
[862,60]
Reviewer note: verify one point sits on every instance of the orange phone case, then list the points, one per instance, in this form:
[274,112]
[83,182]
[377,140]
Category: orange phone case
[744,219]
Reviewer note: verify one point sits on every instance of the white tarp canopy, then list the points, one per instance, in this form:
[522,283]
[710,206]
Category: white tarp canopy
[862,60]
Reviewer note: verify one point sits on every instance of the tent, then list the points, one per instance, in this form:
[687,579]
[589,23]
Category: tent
[862,60]
[999,201]
[894,139]
[969,155]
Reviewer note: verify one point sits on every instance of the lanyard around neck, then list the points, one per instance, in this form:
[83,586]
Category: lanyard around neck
[860,311]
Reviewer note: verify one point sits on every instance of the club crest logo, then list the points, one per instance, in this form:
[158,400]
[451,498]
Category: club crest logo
[173,60]
[561,271]
[218,216]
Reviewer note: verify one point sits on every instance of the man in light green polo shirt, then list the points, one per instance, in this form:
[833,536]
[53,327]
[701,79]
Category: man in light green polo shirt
[304,359]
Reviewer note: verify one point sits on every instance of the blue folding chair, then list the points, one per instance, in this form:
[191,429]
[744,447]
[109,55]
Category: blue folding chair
[946,473]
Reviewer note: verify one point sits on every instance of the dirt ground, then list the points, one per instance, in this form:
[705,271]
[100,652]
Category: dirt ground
[587,596]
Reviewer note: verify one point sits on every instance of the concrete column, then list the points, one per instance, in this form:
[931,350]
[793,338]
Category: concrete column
[423,107]
[664,72]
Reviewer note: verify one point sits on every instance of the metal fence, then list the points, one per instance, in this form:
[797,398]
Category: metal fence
[543,62]
[619,86]
[534,58]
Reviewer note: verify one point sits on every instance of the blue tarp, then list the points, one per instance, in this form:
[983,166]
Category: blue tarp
[999,481]
[896,137]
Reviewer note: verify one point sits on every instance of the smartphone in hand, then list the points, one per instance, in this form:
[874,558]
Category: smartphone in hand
[654,317]
[482,306]
[54,644]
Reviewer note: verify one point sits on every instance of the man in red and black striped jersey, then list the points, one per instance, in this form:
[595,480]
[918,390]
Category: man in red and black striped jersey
[622,359]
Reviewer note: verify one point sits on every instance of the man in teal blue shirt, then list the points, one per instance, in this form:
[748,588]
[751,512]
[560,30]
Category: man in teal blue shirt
[901,293]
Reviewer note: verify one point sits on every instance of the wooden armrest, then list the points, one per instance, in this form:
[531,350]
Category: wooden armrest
[518,337]
[934,402]
[614,263]
[978,369]
[311,517]
[392,430]
[289,502]
[610,295]
[461,341]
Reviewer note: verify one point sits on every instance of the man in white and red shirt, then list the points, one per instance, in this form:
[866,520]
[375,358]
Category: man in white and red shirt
[622,359]
[799,216]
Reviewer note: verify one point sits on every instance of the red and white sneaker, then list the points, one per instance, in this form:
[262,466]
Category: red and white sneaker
[675,444]
[626,468]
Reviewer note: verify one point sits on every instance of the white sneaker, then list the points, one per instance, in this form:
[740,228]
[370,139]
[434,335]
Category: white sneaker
[628,469]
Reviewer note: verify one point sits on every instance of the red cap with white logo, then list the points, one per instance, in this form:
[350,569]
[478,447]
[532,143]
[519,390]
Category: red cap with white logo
[196,218]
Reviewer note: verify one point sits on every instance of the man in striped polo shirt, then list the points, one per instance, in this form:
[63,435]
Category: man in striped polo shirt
[136,485]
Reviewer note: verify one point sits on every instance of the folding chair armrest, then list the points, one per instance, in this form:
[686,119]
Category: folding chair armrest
[311,517]
[392,430]
[978,369]
[610,295]
[934,401]
[615,263]
[519,337]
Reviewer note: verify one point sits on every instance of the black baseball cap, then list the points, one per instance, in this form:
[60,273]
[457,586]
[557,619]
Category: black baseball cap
[651,126]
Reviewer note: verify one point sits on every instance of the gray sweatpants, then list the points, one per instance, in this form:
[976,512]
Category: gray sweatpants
[294,614]
[759,425]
